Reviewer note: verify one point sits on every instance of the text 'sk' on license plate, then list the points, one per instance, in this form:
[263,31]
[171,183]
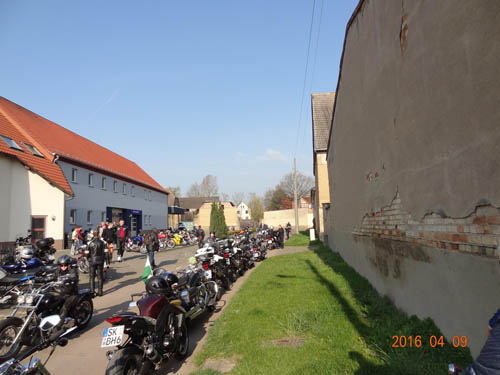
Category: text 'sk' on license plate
[112,336]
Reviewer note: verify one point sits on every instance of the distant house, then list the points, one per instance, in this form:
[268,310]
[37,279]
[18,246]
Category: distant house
[192,205]
[197,210]
[175,211]
[99,185]
[287,203]
[243,211]
[322,109]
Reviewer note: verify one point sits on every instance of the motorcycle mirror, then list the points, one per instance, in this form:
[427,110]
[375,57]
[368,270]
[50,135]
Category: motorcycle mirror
[62,342]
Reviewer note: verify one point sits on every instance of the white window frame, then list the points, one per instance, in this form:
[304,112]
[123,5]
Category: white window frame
[103,216]
[72,216]
[91,180]
[89,217]
[103,183]
[115,186]
[132,190]
[124,189]
[74,175]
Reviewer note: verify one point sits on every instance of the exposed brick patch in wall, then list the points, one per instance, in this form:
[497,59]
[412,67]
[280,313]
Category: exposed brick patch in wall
[477,233]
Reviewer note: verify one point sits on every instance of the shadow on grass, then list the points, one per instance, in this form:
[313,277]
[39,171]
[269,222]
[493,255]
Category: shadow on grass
[377,320]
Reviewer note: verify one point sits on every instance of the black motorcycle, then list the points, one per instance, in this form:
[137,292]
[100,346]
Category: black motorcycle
[39,303]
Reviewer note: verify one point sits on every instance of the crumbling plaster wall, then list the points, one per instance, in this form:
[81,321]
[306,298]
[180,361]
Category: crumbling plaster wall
[417,113]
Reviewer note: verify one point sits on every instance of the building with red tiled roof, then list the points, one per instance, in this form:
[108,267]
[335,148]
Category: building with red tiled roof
[94,183]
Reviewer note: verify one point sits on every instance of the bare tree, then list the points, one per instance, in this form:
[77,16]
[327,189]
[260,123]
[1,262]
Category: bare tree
[176,190]
[224,197]
[208,186]
[268,199]
[194,190]
[256,207]
[238,197]
[304,185]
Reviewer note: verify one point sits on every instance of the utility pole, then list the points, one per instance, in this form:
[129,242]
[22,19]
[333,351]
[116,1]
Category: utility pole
[295,196]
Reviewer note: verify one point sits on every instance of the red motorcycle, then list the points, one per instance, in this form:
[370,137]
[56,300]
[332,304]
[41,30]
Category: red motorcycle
[157,333]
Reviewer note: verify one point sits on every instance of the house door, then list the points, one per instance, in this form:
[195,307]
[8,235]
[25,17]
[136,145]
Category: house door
[133,226]
[37,228]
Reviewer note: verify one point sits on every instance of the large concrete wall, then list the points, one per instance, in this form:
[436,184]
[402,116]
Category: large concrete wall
[282,217]
[417,114]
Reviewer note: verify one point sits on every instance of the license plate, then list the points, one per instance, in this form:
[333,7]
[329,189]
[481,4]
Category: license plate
[255,255]
[269,241]
[208,274]
[112,336]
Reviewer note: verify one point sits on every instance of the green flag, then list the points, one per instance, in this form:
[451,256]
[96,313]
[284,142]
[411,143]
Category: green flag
[148,272]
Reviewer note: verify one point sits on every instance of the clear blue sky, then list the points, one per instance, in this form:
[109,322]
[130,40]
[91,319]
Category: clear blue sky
[184,89]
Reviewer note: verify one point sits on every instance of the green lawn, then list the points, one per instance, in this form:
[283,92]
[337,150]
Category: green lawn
[343,325]
[300,239]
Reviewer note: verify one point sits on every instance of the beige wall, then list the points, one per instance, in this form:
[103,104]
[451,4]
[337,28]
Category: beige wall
[414,156]
[322,190]
[203,216]
[23,194]
[282,217]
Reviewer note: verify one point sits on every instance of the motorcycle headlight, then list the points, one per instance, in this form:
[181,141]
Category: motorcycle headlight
[185,296]
[29,300]
[21,299]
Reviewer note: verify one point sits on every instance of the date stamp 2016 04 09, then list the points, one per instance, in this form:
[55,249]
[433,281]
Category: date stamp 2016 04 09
[434,341]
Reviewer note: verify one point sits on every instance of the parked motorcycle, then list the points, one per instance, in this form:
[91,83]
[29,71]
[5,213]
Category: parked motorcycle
[12,286]
[158,333]
[15,332]
[34,367]
[136,244]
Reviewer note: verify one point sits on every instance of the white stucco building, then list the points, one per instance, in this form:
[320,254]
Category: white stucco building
[54,179]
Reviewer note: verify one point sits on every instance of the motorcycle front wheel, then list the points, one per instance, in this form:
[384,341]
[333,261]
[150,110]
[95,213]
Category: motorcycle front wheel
[83,312]
[170,244]
[129,361]
[9,328]
[143,249]
[183,347]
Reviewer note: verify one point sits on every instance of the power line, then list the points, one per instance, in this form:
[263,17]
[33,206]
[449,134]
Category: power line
[314,65]
[305,78]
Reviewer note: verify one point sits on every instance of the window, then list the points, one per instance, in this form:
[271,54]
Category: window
[72,216]
[103,216]
[11,143]
[124,188]
[132,192]
[145,194]
[246,211]
[33,150]
[103,183]
[89,217]
[37,228]
[115,186]
[91,179]
[238,212]
[74,174]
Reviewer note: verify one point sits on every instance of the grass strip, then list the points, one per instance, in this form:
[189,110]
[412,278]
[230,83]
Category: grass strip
[311,313]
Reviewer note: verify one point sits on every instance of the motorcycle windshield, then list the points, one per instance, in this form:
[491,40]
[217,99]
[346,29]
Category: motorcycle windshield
[2,273]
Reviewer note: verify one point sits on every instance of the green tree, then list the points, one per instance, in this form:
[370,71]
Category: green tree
[218,221]
[213,216]
[256,208]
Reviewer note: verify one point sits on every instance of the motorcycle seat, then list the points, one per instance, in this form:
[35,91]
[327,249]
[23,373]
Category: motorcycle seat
[183,281]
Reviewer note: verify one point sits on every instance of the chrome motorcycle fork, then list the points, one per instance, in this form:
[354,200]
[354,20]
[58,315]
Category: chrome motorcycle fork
[23,328]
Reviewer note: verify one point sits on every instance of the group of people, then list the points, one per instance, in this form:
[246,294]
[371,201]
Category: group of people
[100,246]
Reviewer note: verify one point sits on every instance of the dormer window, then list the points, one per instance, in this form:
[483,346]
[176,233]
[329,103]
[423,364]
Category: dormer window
[11,143]
[33,150]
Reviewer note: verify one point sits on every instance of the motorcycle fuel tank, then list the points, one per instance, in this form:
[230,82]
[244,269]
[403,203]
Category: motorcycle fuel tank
[151,305]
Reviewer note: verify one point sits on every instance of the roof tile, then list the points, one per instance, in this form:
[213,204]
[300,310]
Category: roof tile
[322,110]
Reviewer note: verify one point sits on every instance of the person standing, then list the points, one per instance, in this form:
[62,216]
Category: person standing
[108,235]
[288,229]
[281,237]
[201,236]
[152,245]
[121,238]
[76,237]
[96,260]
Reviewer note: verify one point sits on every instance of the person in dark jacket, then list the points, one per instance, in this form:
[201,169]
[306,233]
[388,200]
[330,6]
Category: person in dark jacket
[200,233]
[152,245]
[288,229]
[68,290]
[96,260]
[108,235]
[121,238]
[281,237]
